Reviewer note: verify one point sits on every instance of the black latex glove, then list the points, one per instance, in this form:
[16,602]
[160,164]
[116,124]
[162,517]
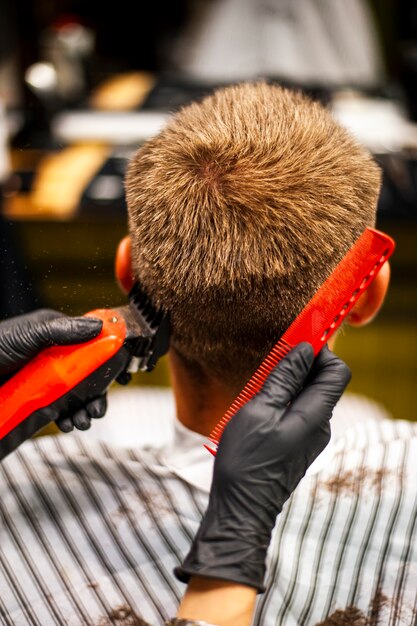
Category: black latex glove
[264,452]
[23,337]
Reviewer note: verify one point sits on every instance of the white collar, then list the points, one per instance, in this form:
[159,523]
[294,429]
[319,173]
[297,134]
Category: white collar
[187,457]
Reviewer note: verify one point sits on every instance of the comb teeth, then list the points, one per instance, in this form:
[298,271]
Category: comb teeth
[321,317]
[252,387]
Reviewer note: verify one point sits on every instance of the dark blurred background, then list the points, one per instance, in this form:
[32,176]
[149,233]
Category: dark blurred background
[82,84]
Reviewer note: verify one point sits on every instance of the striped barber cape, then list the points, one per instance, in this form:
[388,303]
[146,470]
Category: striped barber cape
[92,524]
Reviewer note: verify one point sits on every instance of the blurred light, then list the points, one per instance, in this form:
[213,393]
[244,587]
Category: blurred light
[41,77]
[106,188]
[110,128]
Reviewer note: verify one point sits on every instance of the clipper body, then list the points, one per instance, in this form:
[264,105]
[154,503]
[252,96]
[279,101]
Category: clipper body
[62,380]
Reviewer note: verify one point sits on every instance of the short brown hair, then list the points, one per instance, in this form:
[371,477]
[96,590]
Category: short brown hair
[238,211]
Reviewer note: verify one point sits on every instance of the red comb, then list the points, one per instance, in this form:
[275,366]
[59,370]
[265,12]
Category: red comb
[322,315]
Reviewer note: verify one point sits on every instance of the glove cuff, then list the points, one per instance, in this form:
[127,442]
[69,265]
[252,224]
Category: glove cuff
[225,560]
[183,574]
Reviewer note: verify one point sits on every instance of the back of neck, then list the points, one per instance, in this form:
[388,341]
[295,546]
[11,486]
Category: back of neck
[200,403]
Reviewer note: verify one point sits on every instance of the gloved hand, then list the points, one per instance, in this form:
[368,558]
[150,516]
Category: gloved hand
[23,337]
[264,452]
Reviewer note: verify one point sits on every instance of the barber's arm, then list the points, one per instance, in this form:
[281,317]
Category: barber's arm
[23,337]
[264,452]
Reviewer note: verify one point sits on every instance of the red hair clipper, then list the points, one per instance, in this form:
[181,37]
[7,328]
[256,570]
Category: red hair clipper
[62,380]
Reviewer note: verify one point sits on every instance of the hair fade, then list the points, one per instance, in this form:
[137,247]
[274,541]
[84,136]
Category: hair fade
[238,211]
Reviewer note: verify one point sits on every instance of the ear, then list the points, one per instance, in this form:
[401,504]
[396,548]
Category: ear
[371,300]
[123,265]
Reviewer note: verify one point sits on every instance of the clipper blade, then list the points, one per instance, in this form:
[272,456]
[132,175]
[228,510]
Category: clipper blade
[149,326]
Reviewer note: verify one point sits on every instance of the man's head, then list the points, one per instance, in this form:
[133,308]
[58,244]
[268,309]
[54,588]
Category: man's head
[238,211]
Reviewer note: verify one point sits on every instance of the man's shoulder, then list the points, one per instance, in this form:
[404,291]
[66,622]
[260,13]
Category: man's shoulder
[359,420]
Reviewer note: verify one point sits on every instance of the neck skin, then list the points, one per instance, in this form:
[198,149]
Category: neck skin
[200,406]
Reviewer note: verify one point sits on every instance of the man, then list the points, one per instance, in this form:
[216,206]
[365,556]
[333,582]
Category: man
[238,211]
